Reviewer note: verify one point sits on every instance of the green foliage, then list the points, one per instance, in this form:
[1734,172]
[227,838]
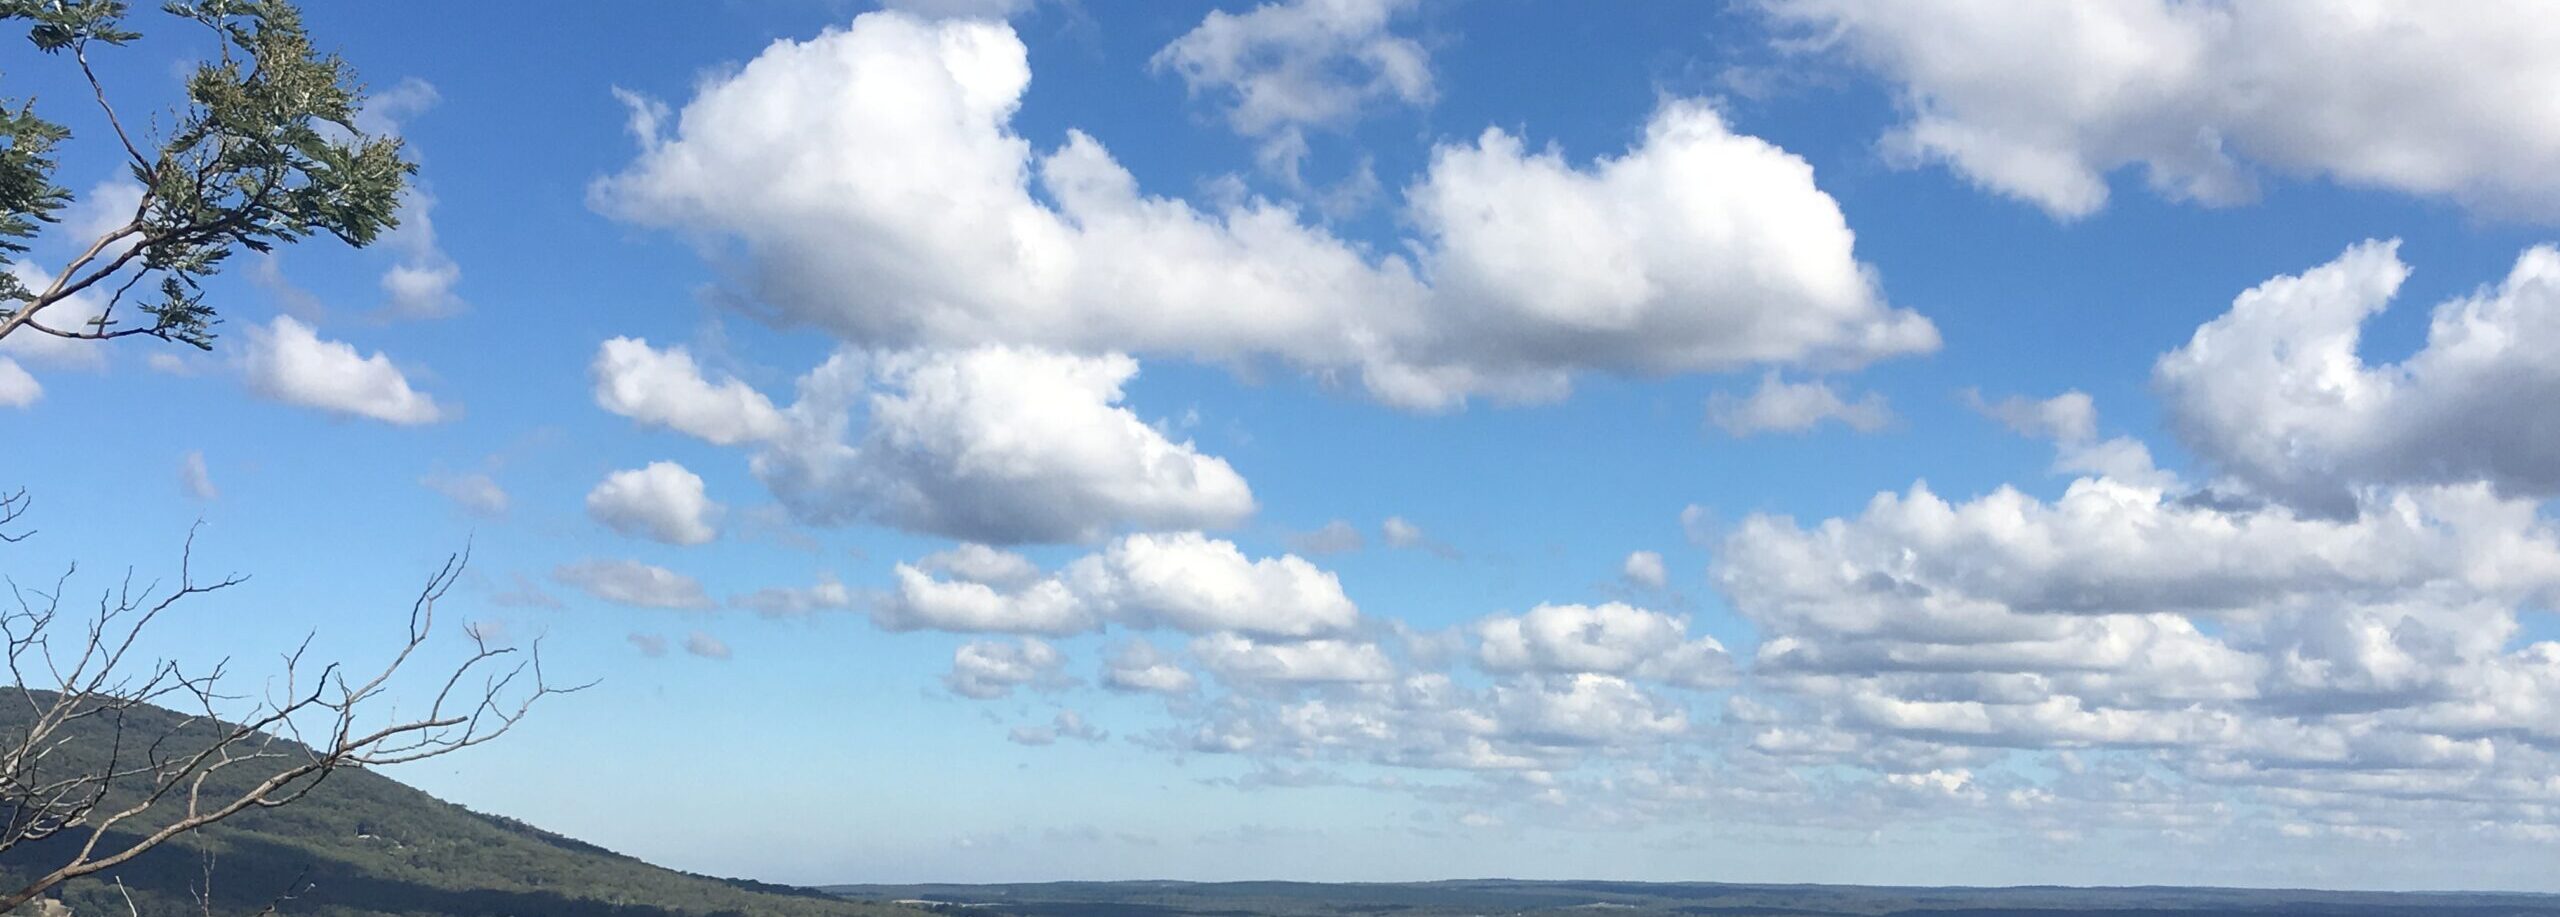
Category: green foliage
[28,197]
[264,153]
[363,845]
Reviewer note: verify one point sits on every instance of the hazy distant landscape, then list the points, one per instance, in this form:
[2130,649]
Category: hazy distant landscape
[1480,898]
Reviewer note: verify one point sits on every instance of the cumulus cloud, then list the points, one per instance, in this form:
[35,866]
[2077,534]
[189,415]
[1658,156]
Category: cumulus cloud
[650,645]
[662,502]
[991,444]
[1779,406]
[477,494]
[1614,639]
[1237,658]
[1284,67]
[874,182]
[2042,101]
[630,582]
[2297,662]
[979,563]
[1644,570]
[1586,709]
[18,388]
[1139,667]
[419,284]
[665,388]
[987,669]
[2276,394]
[194,479]
[288,361]
[1184,581]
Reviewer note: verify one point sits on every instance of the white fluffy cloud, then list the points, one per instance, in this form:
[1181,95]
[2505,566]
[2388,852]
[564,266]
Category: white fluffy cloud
[18,388]
[1613,639]
[1644,570]
[2299,663]
[288,361]
[1779,406]
[992,444]
[2042,100]
[630,582]
[662,502]
[986,669]
[878,190]
[997,444]
[665,388]
[2275,393]
[1185,581]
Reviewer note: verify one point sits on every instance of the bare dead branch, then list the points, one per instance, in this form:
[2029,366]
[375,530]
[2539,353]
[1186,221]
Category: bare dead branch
[123,755]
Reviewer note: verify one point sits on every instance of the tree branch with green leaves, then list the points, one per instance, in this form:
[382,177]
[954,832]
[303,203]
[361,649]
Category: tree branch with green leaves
[264,151]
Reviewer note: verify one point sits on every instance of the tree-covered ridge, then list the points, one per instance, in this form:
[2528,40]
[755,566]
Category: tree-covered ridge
[364,845]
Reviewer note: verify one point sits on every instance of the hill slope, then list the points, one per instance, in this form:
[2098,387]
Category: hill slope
[364,845]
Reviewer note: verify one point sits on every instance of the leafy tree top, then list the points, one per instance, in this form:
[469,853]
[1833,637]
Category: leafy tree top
[263,152]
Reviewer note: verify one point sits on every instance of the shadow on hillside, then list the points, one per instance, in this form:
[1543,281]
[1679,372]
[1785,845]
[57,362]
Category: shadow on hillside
[251,870]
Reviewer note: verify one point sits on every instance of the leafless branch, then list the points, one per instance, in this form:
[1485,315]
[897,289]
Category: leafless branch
[121,755]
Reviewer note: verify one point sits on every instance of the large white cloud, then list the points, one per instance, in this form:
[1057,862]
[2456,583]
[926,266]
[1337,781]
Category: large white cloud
[1184,581]
[662,501]
[998,444]
[874,180]
[288,361]
[2042,100]
[992,444]
[2276,393]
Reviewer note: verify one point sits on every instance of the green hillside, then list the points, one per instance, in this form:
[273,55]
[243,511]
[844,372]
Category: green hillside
[363,845]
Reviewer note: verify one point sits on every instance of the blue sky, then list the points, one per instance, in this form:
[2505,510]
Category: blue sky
[1794,442]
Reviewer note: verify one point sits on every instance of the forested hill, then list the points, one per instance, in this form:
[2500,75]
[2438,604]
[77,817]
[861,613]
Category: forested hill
[363,845]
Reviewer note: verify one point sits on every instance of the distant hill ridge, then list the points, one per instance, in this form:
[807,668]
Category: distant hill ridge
[365,845]
[1480,897]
